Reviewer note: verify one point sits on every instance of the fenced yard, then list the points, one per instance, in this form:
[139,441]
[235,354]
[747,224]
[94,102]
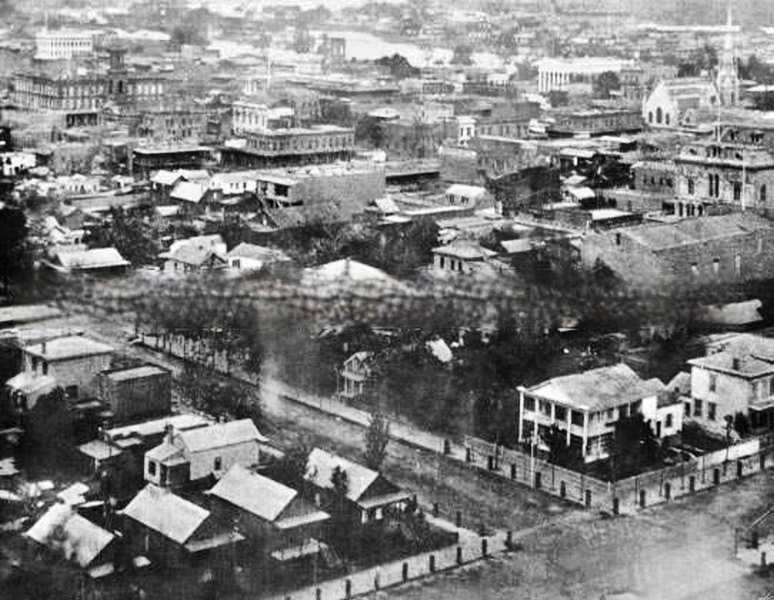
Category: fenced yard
[626,495]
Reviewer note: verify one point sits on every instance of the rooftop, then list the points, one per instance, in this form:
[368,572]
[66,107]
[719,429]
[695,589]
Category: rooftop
[95,258]
[74,346]
[664,236]
[220,435]
[321,464]
[70,535]
[166,513]
[597,389]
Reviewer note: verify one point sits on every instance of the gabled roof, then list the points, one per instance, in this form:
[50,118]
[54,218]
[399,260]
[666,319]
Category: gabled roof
[597,389]
[220,435]
[321,464]
[96,258]
[162,511]
[164,177]
[29,383]
[72,346]
[188,191]
[70,535]
[254,493]
[245,250]
[195,251]
[339,271]
[745,355]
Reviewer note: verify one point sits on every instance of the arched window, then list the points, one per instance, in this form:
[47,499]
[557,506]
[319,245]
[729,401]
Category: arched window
[691,187]
[666,118]
[650,117]
[763,193]
[659,115]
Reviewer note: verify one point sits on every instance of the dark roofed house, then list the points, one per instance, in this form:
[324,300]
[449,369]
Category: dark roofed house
[170,529]
[369,493]
[285,524]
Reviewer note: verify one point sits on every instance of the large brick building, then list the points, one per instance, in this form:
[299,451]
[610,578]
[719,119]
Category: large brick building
[711,173]
[289,147]
[697,252]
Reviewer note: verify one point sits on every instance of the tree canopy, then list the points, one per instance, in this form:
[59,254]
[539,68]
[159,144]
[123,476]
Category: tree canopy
[14,255]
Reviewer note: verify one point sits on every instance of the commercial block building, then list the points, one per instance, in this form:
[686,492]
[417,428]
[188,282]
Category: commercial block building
[722,249]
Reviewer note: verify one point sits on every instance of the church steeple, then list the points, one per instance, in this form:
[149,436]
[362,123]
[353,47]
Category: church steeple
[727,80]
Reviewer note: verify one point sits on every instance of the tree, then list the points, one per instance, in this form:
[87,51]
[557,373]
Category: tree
[606,82]
[399,66]
[741,424]
[369,130]
[462,55]
[377,437]
[128,232]
[338,507]
[291,468]
[634,445]
[14,256]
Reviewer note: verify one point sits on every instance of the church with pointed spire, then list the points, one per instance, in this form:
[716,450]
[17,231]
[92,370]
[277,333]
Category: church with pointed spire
[727,79]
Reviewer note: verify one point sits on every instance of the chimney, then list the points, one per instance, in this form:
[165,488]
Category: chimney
[736,363]
[169,432]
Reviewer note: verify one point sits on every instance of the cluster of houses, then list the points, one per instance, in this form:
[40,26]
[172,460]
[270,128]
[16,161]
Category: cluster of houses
[206,489]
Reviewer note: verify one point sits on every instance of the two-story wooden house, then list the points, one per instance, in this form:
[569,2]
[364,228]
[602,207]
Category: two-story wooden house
[191,455]
[585,406]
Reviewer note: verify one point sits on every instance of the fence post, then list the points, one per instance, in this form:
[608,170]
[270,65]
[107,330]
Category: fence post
[513,470]
[484,547]
[739,468]
[490,463]
[468,455]
[763,559]
[538,475]
[459,555]
[446,447]
[405,571]
[432,563]
[318,594]
[642,498]
[435,509]
[615,505]
[562,489]
[348,588]
[588,498]
[692,484]
[667,490]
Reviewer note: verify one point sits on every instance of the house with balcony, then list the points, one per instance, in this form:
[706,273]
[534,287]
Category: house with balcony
[585,406]
[737,377]
[355,374]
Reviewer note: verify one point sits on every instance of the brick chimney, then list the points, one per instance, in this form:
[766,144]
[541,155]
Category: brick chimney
[169,433]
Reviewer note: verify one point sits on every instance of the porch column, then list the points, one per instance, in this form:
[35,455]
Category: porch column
[521,416]
[585,433]
[569,425]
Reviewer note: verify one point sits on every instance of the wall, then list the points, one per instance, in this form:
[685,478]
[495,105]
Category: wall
[81,372]
[732,394]
[203,463]
[144,396]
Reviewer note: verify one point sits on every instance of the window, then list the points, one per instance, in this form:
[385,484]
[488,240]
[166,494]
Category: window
[635,407]
[659,115]
[617,239]
[610,415]
[560,412]
[713,380]
[711,410]
[71,391]
[45,368]
[545,407]
[737,191]
[762,194]
[577,418]
[771,386]
[668,420]
[529,403]
[623,411]
[151,468]
[687,407]
[691,187]
[236,263]
[217,463]
[698,409]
